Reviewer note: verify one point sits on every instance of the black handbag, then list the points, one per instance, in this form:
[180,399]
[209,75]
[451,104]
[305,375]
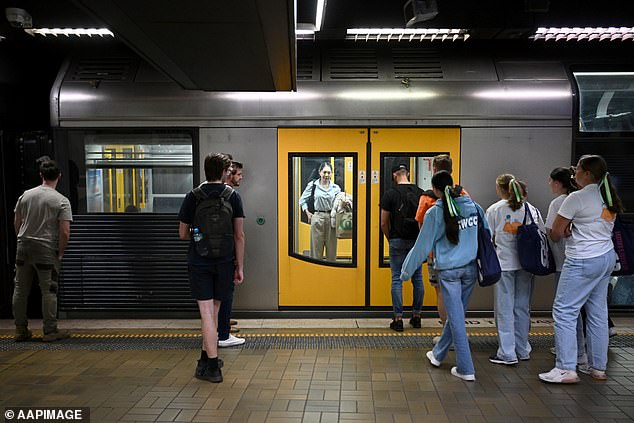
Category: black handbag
[623,239]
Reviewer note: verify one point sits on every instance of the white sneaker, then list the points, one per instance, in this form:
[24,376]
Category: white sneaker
[559,376]
[596,374]
[432,359]
[232,341]
[553,351]
[468,378]
[612,332]
[435,340]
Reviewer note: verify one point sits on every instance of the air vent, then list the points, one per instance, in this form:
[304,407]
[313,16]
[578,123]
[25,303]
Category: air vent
[308,64]
[347,64]
[416,63]
[103,69]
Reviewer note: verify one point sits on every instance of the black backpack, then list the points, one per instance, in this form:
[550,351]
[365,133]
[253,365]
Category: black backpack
[214,220]
[405,223]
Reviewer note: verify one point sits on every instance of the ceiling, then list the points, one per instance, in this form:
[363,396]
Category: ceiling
[249,45]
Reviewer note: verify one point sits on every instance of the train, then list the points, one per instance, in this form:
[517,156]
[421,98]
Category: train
[131,144]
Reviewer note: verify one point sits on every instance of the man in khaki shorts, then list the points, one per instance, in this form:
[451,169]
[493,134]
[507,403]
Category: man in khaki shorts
[42,225]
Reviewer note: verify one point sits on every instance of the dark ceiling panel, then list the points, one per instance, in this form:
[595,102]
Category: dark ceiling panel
[212,46]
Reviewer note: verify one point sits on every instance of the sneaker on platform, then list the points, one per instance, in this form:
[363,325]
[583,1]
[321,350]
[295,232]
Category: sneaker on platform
[397,325]
[415,322]
[232,341]
[209,374]
[499,360]
[200,367]
[612,332]
[596,374]
[559,376]
[468,378]
[430,356]
[23,334]
[56,336]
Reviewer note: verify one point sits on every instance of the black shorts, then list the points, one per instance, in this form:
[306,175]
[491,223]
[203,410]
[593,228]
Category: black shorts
[211,281]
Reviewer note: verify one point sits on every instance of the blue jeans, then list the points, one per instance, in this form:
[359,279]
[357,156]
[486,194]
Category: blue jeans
[512,302]
[456,285]
[581,337]
[398,251]
[583,281]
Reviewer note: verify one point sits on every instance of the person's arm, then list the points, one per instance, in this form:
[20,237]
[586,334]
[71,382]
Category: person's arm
[422,247]
[64,237]
[17,222]
[385,223]
[421,210]
[561,228]
[238,239]
[183,231]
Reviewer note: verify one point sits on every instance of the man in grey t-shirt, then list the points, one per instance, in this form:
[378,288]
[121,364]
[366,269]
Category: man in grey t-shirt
[42,225]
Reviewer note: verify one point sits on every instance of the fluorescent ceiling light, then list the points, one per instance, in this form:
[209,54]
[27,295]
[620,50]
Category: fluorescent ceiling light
[70,31]
[603,73]
[522,94]
[584,34]
[320,14]
[385,95]
[406,34]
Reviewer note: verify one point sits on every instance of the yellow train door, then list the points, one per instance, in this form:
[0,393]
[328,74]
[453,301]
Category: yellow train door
[322,262]
[416,148]
[314,272]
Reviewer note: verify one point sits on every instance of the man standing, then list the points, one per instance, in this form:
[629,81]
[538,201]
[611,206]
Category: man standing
[398,210]
[225,339]
[212,217]
[42,225]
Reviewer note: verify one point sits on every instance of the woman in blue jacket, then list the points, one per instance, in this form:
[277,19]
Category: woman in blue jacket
[450,231]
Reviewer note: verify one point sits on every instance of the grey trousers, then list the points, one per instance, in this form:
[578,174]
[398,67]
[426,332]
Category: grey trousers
[33,258]
[322,235]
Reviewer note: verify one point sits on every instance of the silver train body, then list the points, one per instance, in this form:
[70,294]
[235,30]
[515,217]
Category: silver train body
[515,116]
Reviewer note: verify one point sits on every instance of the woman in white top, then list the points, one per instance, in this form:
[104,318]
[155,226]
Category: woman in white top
[322,234]
[512,294]
[561,183]
[586,218]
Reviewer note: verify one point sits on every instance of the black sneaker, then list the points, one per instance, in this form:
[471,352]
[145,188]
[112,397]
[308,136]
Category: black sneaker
[200,367]
[497,360]
[397,325]
[209,374]
[415,322]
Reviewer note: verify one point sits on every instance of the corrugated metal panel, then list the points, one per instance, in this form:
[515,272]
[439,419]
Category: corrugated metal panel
[103,69]
[308,64]
[126,262]
[416,63]
[350,64]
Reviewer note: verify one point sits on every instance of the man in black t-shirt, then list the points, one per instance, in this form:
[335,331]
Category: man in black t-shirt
[211,278]
[395,211]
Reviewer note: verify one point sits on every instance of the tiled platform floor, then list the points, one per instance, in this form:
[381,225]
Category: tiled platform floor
[309,385]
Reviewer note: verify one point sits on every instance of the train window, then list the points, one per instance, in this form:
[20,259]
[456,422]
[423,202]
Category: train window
[420,170]
[606,101]
[322,203]
[139,172]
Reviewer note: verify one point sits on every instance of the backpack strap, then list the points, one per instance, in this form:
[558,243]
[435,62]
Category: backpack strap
[430,193]
[527,212]
[199,194]
[226,193]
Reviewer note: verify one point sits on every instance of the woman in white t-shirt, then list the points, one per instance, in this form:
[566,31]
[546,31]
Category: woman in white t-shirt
[586,218]
[512,294]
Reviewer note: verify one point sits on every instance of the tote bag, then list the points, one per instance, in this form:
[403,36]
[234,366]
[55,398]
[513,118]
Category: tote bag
[532,247]
[489,270]
[623,239]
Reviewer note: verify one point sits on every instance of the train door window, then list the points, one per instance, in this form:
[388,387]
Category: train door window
[130,172]
[606,101]
[322,202]
[420,173]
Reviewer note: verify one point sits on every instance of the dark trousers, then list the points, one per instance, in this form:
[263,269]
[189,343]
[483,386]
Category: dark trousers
[224,315]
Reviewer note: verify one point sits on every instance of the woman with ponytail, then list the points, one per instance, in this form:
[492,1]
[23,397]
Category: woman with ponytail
[512,294]
[450,231]
[585,218]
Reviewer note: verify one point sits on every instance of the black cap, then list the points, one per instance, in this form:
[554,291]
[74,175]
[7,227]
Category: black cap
[398,167]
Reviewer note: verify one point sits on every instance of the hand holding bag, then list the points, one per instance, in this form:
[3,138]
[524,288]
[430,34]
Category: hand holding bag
[489,269]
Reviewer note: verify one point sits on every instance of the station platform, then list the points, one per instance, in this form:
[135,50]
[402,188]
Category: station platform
[303,370]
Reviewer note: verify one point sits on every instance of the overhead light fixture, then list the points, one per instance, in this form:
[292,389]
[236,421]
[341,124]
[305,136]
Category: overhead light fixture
[320,14]
[406,34]
[79,32]
[387,95]
[417,11]
[584,34]
[513,94]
